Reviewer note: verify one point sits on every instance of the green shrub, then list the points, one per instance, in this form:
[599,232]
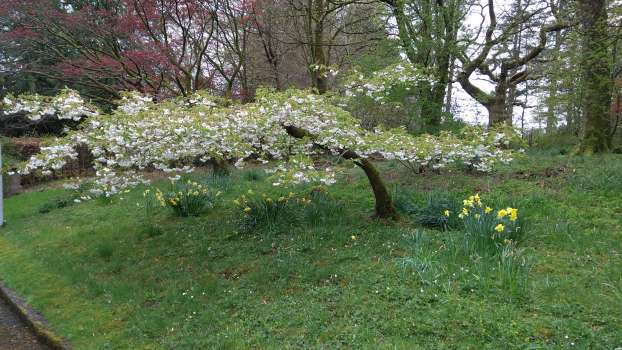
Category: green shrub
[105,251]
[447,265]
[150,206]
[513,268]
[74,194]
[602,178]
[430,211]
[217,181]
[262,211]
[253,175]
[322,208]
[56,203]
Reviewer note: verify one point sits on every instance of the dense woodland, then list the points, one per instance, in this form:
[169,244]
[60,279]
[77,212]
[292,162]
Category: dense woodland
[312,174]
[557,62]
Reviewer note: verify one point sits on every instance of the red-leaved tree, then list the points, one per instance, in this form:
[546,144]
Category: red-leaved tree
[162,47]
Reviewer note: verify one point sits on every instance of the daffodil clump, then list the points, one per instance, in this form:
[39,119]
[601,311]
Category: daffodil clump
[186,197]
[263,209]
[486,224]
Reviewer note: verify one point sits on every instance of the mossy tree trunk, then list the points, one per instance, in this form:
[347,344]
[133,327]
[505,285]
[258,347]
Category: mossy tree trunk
[384,203]
[498,112]
[221,167]
[596,74]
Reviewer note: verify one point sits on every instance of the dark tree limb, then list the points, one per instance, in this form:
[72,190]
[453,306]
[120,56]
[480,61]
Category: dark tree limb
[384,208]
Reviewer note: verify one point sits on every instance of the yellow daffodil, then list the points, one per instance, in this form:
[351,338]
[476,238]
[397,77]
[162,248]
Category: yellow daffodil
[502,213]
[499,228]
[465,211]
[487,210]
[467,203]
[247,210]
[353,237]
[446,212]
[513,212]
[477,216]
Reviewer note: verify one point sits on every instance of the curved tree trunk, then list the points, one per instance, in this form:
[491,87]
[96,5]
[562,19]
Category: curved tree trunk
[384,208]
[384,203]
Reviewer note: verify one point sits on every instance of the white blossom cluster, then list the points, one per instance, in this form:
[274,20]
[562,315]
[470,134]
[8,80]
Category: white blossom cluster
[173,138]
[133,102]
[324,70]
[68,105]
[380,84]
[50,158]
[301,170]
[201,98]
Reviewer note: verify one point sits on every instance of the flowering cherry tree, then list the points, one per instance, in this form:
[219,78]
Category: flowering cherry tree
[289,130]
[380,84]
[67,105]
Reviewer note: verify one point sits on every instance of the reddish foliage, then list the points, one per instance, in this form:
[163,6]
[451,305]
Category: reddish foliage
[149,45]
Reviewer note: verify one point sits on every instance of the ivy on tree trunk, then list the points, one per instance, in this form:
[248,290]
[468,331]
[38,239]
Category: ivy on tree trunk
[596,72]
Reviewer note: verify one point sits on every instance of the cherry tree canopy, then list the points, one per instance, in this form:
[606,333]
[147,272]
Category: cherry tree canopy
[289,129]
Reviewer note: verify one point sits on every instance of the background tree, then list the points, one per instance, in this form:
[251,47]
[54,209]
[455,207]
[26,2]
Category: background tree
[327,31]
[428,32]
[597,74]
[90,44]
[505,71]
[162,47]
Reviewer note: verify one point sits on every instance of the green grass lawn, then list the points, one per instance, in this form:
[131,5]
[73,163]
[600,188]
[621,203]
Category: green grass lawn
[107,276]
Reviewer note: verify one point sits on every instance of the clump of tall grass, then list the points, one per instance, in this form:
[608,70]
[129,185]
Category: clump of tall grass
[429,212]
[253,175]
[263,211]
[187,198]
[487,230]
[482,255]
[603,177]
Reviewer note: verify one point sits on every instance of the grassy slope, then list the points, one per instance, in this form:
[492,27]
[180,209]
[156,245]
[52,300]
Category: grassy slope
[104,282]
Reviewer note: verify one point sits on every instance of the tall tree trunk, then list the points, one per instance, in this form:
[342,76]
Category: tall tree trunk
[319,79]
[449,95]
[551,101]
[596,72]
[437,96]
[497,108]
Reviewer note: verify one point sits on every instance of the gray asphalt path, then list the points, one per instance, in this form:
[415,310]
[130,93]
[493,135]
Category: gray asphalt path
[14,334]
